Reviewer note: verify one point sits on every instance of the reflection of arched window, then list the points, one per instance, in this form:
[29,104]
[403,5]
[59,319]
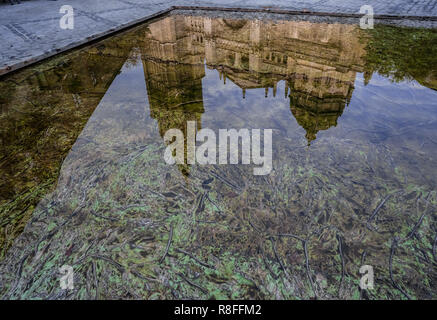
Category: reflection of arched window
[245,61]
[231,58]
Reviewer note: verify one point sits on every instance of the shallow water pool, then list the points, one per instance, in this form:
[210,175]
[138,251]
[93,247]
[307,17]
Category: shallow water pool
[353,115]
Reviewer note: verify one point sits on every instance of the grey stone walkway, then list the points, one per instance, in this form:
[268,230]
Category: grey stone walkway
[30,31]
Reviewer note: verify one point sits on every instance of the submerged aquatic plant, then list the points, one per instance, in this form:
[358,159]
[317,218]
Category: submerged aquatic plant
[132,226]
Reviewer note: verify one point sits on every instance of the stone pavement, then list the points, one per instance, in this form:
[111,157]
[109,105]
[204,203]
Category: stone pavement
[30,31]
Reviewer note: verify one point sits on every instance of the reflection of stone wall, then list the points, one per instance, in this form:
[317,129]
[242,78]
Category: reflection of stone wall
[175,94]
[318,61]
[313,122]
[173,70]
[318,112]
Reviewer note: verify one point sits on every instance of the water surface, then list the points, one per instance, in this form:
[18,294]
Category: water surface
[354,116]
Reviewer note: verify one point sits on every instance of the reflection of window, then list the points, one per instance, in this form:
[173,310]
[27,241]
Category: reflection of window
[231,59]
[245,61]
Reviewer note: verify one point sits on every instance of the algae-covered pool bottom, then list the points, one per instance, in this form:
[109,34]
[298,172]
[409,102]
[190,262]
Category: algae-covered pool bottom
[353,115]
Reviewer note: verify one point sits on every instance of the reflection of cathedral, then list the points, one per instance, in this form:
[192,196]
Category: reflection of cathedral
[317,61]
[173,71]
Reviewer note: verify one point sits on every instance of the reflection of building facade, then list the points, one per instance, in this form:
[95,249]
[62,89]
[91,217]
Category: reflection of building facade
[173,71]
[318,62]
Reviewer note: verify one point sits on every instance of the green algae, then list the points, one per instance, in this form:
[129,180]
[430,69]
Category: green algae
[402,53]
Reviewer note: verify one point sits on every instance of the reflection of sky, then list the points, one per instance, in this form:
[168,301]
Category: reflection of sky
[398,115]
[384,110]
[381,108]
[225,106]
[122,116]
